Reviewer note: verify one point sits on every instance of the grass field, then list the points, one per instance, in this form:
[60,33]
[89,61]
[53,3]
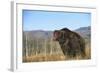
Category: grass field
[55,57]
[48,50]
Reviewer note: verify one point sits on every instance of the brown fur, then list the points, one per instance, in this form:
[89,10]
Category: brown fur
[72,44]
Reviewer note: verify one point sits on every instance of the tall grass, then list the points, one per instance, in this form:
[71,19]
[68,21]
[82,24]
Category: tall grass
[37,50]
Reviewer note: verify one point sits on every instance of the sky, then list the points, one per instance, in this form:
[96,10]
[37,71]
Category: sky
[47,20]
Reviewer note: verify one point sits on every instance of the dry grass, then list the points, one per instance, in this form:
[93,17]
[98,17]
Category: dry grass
[55,57]
[88,53]
[40,58]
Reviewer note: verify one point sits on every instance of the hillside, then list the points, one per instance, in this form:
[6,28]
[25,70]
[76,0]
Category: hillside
[83,31]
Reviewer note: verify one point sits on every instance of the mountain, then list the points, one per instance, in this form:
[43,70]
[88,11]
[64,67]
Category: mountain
[38,34]
[85,32]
